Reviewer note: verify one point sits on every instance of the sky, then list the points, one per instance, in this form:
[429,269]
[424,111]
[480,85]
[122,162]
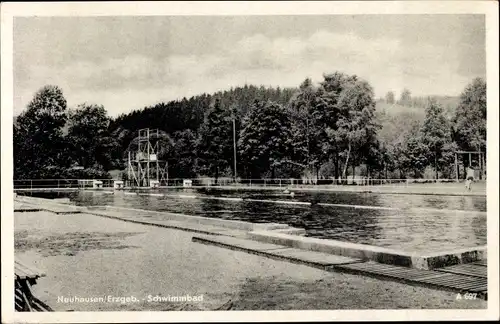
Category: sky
[126,63]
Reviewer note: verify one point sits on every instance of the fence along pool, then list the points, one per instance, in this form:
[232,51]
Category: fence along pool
[202,182]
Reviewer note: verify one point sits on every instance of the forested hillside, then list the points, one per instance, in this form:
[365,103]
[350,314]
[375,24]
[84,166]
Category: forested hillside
[332,129]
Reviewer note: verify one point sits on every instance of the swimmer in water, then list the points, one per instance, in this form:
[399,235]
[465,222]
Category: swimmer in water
[292,194]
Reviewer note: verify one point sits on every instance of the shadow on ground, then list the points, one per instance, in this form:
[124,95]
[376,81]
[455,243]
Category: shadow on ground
[70,243]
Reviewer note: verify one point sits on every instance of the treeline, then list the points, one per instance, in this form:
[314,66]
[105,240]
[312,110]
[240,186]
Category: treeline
[407,100]
[182,119]
[52,142]
[424,144]
[332,129]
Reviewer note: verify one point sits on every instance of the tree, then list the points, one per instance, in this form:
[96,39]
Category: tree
[411,151]
[214,144]
[405,98]
[340,120]
[435,133]
[18,143]
[92,144]
[356,127]
[301,106]
[184,156]
[40,149]
[122,137]
[447,160]
[265,140]
[375,157]
[470,118]
[325,115]
[389,97]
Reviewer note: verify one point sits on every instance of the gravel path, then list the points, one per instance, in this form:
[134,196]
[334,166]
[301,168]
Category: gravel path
[89,256]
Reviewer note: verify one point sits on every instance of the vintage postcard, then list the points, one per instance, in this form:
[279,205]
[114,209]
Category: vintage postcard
[249,161]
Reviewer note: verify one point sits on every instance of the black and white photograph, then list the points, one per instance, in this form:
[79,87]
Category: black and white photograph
[193,160]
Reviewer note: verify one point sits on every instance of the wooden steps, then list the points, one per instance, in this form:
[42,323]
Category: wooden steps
[278,252]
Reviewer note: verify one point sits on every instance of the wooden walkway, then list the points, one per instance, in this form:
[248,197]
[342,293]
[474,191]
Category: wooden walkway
[463,278]
[444,278]
[470,269]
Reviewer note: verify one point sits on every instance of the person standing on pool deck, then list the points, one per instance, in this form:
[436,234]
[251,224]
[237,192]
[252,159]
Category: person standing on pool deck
[469,178]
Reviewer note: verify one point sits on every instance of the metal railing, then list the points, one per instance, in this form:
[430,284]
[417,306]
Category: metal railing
[60,183]
[222,182]
[291,182]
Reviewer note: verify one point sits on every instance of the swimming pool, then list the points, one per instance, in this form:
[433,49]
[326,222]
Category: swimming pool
[420,223]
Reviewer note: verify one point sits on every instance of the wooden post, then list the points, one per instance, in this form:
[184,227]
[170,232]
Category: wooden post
[470,159]
[483,163]
[483,166]
[456,167]
[480,161]
[128,171]
[436,166]
[234,147]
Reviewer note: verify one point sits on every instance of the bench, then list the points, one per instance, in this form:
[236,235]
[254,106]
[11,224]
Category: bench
[25,277]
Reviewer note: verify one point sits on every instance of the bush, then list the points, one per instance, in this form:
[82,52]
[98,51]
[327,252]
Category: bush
[362,170]
[429,173]
[89,173]
[327,169]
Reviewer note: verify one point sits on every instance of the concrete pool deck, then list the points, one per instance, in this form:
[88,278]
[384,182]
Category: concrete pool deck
[86,256]
[284,243]
[373,253]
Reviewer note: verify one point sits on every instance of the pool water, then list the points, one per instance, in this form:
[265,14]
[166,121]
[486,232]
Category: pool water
[417,223]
